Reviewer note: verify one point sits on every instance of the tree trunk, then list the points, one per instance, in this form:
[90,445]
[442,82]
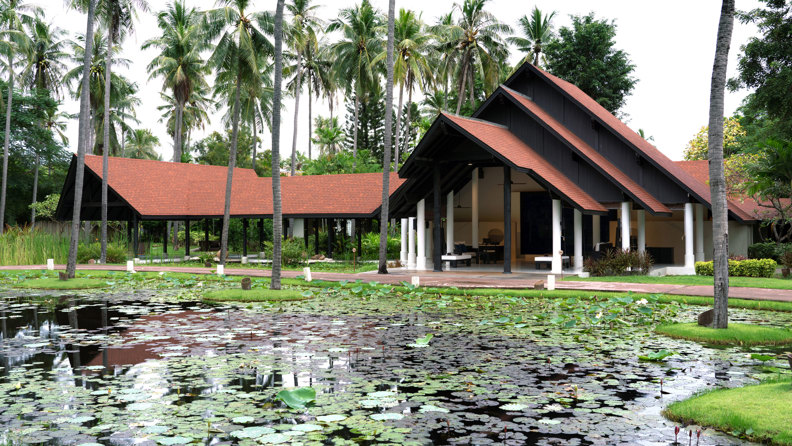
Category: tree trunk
[277,215]
[445,92]
[177,133]
[35,192]
[720,223]
[310,118]
[383,245]
[471,84]
[461,91]
[6,143]
[330,101]
[230,178]
[355,137]
[398,128]
[406,139]
[297,89]
[255,143]
[106,145]
[123,143]
[82,144]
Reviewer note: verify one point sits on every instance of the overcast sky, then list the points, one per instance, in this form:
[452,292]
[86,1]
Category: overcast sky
[671,43]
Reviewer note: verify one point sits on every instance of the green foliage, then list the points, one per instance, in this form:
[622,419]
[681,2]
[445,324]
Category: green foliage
[57,284]
[768,250]
[298,398]
[370,244]
[658,356]
[254,295]
[617,310]
[619,263]
[342,162]
[292,251]
[585,55]
[742,268]
[422,342]
[23,246]
[214,149]
[45,210]
[733,132]
[115,253]
[736,334]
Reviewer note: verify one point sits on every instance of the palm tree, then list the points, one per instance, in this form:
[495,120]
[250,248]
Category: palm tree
[179,63]
[720,210]
[302,36]
[55,124]
[356,50]
[240,43]
[329,136]
[141,144]
[318,74]
[536,30]
[443,55]
[480,48]
[383,246]
[82,144]
[14,14]
[277,214]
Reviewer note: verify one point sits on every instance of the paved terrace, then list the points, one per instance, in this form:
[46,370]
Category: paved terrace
[461,280]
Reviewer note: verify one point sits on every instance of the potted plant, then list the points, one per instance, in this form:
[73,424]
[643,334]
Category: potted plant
[786,263]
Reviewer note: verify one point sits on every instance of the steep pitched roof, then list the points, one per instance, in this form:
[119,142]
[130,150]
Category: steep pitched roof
[625,183]
[514,151]
[699,169]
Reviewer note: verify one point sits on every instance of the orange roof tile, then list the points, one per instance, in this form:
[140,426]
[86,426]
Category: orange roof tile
[699,169]
[499,139]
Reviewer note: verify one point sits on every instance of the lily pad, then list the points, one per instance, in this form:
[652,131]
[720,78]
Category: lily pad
[297,398]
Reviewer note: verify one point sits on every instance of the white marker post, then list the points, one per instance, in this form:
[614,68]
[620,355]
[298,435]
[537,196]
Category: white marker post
[307,273]
[416,281]
[220,270]
[130,266]
[51,264]
[550,282]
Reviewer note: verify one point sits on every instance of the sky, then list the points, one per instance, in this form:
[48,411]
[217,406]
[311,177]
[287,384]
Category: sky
[671,44]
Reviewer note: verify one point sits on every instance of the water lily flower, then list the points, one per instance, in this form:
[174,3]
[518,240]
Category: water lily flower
[642,302]
[599,314]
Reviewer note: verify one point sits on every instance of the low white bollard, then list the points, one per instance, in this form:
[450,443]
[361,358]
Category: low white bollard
[220,270]
[416,281]
[130,266]
[550,282]
[584,275]
[244,260]
[307,273]
[51,264]
[137,260]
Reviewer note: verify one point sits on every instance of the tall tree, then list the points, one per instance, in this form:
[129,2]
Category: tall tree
[537,30]
[82,143]
[142,144]
[179,63]
[481,49]
[14,14]
[383,245]
[585,55]
[720,210]
[118,17]
[277,213]
[356,50]
[318,73]
[302,36]
[241,41]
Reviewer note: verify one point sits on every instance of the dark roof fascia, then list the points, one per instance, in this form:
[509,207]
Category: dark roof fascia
[501,91]
[529,172]
[69,182]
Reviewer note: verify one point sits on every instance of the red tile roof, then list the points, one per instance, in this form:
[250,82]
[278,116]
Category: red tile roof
[601,163]
[699,169]
[158,189]
[654,155]
[500,140]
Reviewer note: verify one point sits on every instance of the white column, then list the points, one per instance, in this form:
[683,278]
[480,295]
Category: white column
[420,261]
[595,230]
[299,228]
[625,225]
[474,208]
[699,232]
[450,223]
[403,253]
[578,260]
[641,217]
[411,243]
[556,265]
[690,258]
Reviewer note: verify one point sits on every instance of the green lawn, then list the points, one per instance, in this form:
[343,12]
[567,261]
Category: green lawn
[53,283]
[762,413]
[736,334]
[254,295]
[754,282]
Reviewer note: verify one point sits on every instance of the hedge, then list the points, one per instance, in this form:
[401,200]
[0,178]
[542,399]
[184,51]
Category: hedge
[768,250]
[742,268]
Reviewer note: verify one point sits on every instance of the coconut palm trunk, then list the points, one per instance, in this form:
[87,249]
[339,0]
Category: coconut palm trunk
[461,92]
[230,178]
[297,89]
[255,142]
[355,137]
[35,191]
[6,142]
[277,215]
[720,222]
[406,139]
[310,119]
[398,128]
[82,144]
[106,144]
[383,246]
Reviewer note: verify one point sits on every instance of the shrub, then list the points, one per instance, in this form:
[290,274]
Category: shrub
[619,263]
[768,250]
[741,268]
[786,259]
[292,251]
[115,253]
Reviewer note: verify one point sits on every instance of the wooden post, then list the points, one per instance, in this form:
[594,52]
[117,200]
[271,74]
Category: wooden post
[507,238]
[187,239]
[244,236]
[129,235]
[437,249]
[330,237]
[316,236]
[135,236]
[165,239]
[206,234]
[261,234]
[359,230]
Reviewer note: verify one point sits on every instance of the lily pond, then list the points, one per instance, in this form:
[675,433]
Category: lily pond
[146,362]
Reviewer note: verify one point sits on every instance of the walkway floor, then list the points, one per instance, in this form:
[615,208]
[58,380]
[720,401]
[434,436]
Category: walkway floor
[463,280]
